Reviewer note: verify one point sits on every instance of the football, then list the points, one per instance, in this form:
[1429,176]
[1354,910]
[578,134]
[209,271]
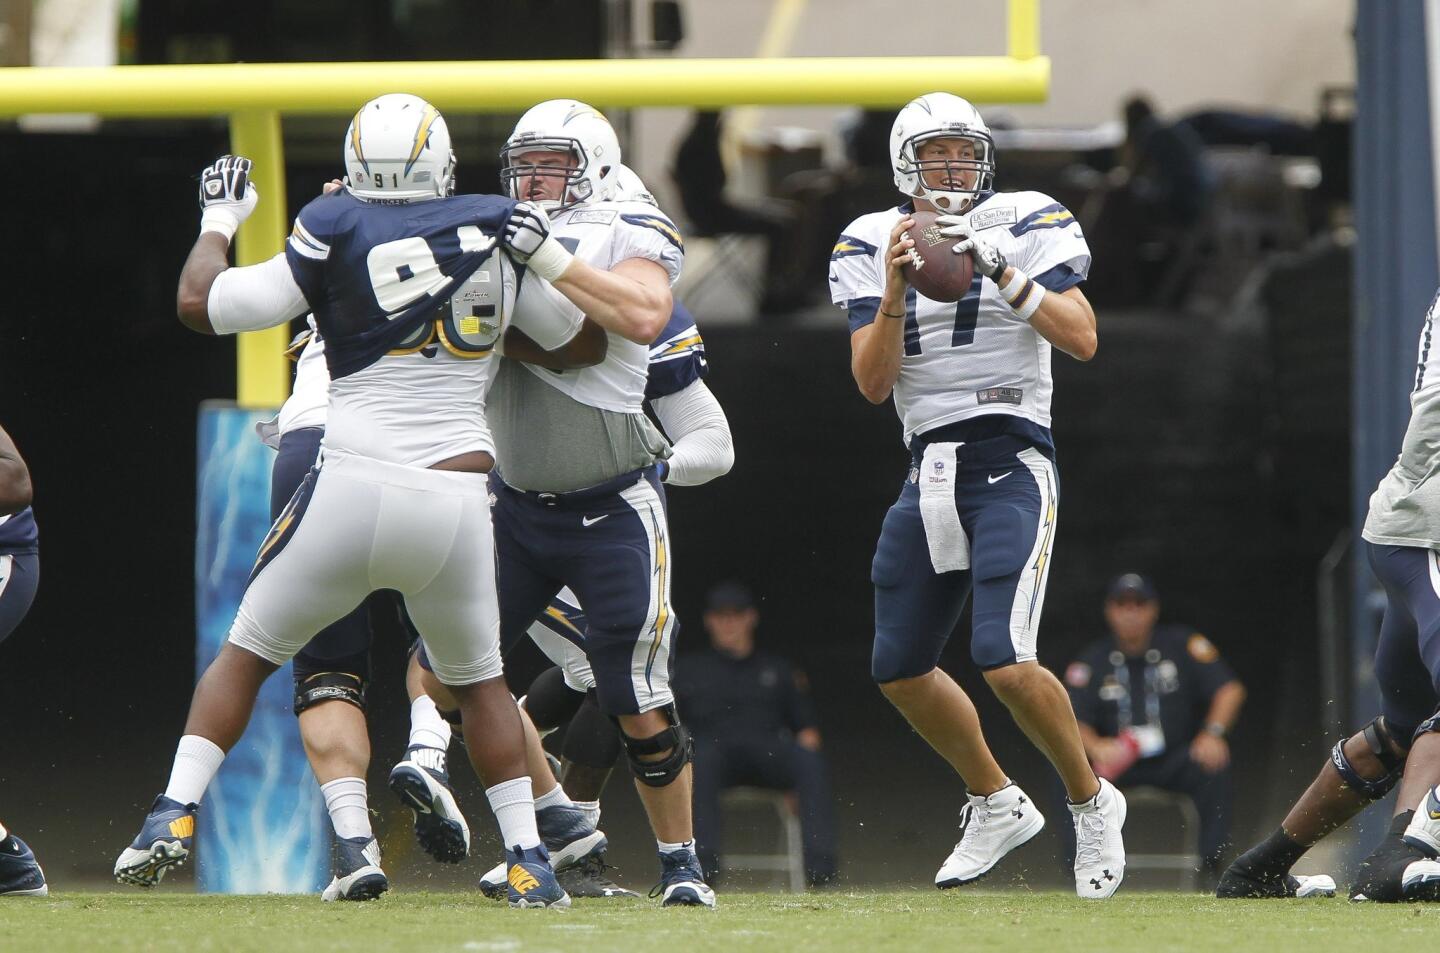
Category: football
[934,270]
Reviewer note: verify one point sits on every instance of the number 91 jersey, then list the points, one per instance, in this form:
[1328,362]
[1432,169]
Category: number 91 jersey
[974,356]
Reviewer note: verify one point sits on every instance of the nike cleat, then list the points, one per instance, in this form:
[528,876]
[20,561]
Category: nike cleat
[587,880]
[1239,883]
[356,867]
[439,825]
[568,835]
[1099,846]
[682,884]
[530,881]
[990,827]
[1421,880]
[1423,831]
[163,842]
[20,873]
[569,838]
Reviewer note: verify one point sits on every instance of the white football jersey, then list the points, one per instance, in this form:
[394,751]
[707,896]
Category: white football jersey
[1405,507]
[974,356]
[603,234]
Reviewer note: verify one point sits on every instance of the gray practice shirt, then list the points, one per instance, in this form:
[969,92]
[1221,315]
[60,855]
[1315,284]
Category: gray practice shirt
[548,442]
[1405,507]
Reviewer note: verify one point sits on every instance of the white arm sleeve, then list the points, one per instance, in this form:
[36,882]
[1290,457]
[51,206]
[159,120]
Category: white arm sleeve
[547,316]
[255,297]
[695,423]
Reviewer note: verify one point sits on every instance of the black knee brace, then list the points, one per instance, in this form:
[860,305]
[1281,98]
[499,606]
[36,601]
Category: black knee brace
[328,686]
[674,739]
[591,740]
[1383,744]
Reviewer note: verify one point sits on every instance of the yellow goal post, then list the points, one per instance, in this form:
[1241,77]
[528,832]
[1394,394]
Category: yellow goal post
[254,96]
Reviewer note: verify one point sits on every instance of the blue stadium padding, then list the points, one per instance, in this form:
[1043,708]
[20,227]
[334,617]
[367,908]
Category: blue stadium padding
[262,824]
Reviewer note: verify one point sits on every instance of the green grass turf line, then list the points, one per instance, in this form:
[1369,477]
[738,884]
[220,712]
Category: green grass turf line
[920,920]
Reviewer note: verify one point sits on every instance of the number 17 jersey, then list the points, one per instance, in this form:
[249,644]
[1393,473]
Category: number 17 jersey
[972,357]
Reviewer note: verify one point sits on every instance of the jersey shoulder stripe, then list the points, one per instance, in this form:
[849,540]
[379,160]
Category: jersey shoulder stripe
[1053,215]
[850,245]
[657,222]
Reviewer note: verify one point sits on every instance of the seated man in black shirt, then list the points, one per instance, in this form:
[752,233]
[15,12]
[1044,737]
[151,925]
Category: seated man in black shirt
[1154,704]
[753,724]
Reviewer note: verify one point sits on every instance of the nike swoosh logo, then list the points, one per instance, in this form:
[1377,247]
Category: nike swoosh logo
[995,479]
[592,520]
[1435,815]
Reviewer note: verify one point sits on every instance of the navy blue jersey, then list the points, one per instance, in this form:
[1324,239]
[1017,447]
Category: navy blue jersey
[373,274]
[18,533]
[677,358]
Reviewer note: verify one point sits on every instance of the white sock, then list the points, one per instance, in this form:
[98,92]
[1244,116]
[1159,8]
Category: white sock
[667,848]
[427,728]
[556,797]
[349,811]
[591,810]
[196,761]
[514,805]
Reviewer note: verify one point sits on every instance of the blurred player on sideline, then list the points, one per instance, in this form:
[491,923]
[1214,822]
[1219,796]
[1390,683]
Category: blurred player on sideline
[971,382]
[580,502]
[20,873]
[1402,540]
[411,300]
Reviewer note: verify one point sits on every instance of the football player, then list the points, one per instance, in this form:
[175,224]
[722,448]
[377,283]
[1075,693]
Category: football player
[580,501]
[1402,745]
[977,513]
[20,873]
[411,299]
[332,672]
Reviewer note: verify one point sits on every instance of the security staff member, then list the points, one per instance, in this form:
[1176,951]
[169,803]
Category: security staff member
[753,724]
[1155,704]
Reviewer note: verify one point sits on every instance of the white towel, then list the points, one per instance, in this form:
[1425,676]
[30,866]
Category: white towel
[949,546]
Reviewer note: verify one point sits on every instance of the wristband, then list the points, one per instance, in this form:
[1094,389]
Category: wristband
[550,259]
[1023,295]
[893,317]
[1215,728]
[662,470]
[221,220]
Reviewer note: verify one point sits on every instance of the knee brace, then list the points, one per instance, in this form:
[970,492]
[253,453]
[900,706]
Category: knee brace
[674,739]
[1384,745]
[328,686]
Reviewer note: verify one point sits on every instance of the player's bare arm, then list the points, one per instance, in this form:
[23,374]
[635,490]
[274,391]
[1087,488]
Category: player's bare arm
[875,350]
[15,489]
[586,349]
[1067,321]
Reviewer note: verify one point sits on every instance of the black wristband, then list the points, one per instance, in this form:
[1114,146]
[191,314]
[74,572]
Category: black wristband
[893,317]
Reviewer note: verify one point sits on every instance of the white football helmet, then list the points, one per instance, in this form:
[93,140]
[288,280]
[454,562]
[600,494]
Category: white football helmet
[565,125]
[629,187]
[941,116]
[398,149]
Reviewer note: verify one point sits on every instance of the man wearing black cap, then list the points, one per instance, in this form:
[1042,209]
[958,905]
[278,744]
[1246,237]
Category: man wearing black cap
[1155,704]
[753,724]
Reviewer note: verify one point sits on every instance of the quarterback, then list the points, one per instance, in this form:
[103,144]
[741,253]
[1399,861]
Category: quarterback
[977,512]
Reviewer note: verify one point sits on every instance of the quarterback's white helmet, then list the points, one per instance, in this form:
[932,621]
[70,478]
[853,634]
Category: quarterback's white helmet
[941,116]
[565,125]
[398,148]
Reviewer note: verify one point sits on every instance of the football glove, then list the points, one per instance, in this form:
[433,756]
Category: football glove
[529,240]
[227,196]
[989,260]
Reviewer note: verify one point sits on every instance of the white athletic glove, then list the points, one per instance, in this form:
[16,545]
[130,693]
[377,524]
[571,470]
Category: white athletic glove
[227,196]
[989,260]
[529,240]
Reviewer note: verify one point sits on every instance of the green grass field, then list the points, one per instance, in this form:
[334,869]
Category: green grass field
[905,920]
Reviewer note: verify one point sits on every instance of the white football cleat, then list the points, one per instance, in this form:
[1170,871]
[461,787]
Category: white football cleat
[1421,880]
[1423,831]
[1313,885]
[1099,848]
[990,828]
